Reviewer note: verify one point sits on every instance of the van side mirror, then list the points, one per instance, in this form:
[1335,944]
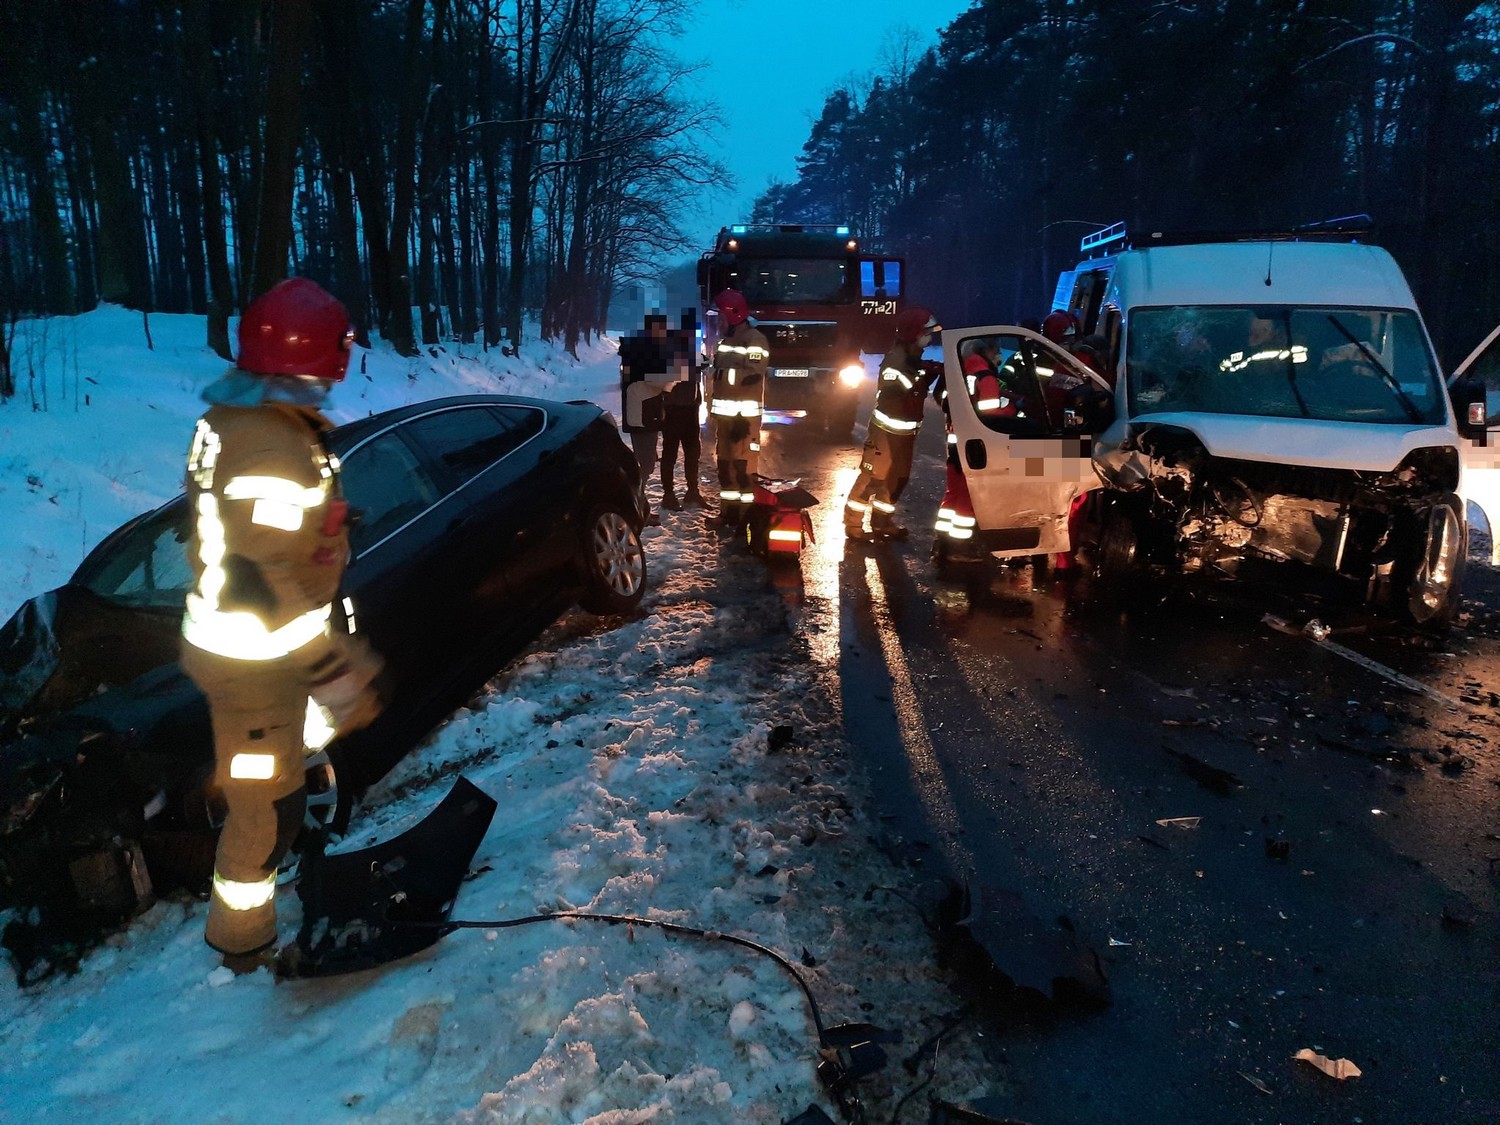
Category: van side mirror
[1470,406]
[1088,410]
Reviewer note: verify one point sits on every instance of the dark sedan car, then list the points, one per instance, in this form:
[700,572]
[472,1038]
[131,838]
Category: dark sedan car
[478,522]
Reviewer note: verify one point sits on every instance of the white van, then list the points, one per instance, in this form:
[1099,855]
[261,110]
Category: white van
[1269,397]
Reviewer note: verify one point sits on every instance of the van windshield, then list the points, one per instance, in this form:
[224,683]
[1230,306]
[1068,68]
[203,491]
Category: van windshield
[1280,361]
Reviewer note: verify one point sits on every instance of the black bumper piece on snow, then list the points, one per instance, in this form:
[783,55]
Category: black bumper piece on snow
[365,908]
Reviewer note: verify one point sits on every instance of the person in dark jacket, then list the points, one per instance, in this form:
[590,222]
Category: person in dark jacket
[680,423]
[645,373]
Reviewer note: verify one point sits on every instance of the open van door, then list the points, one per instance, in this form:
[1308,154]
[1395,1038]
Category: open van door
[1475,388]
[1026,463]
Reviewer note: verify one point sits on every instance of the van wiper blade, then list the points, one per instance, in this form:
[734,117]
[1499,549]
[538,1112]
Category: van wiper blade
[1390,380]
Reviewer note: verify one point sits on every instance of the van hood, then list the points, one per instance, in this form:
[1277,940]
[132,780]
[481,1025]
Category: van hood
[1365,446]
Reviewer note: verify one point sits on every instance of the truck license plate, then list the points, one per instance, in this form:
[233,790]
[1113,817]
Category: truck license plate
[792,372]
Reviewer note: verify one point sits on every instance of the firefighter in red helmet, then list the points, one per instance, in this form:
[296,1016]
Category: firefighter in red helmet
[741,359]
[264,634]
[885,461]
[1061,327]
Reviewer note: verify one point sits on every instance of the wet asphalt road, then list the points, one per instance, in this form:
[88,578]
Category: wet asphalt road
[1026,732]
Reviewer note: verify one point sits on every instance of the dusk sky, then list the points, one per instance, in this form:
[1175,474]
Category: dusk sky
[771,65]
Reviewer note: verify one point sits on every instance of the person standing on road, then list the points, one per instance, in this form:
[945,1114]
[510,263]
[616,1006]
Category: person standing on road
[263,633]
[645,373]
[680,425]
[885,461]
[741,359]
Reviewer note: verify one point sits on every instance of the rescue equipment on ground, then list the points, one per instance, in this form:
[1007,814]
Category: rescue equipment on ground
[778,524]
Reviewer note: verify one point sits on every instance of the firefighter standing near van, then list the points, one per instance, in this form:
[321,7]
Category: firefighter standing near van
[741,359]
[261,635]
[885,461]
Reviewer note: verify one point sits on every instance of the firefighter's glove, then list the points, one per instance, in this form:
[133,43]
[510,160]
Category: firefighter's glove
[349,694]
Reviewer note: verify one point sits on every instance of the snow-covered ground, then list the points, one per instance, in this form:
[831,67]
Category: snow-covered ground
[638,769]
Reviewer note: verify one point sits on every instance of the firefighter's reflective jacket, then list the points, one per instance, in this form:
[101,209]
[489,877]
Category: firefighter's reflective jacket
[739,373]
[269,535]
[901,391]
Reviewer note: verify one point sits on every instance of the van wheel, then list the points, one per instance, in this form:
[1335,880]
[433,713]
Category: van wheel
[1118,552]
[1434,576]
[613,562]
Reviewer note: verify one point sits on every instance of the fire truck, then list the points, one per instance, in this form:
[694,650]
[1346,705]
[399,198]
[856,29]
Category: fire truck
[820,300]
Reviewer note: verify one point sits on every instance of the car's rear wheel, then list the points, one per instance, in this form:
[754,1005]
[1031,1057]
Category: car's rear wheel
[613,562]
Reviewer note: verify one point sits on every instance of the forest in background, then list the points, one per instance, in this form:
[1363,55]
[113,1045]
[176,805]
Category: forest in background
[481,161]
[985,159]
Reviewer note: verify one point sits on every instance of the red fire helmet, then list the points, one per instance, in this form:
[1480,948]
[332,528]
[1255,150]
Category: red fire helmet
[914,322]
[296,328]
[1059,326]
[732,307]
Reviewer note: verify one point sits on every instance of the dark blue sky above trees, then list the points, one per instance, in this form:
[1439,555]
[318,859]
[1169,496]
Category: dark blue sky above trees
[771,64]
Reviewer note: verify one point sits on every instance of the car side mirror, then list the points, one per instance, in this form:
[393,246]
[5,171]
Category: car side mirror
[1470,406]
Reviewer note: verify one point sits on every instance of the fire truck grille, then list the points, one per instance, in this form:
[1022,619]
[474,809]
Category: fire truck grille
[802,335]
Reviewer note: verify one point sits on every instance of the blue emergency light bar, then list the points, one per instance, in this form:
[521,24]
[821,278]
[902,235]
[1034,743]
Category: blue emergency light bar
[1102,238]
[739,229]
[840,230]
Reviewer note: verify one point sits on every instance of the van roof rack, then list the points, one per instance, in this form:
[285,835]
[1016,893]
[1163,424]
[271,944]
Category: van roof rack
[1112,239]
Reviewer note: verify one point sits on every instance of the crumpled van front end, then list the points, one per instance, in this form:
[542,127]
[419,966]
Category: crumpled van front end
[1282,400]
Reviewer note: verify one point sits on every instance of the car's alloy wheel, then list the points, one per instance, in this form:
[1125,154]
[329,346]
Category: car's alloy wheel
[614,563]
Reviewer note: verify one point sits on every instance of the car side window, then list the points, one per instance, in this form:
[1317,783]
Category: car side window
[149,567]
[386,487]
[467,440]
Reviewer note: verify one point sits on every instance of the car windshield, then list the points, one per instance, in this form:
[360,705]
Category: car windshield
[790,281]
[1333,364]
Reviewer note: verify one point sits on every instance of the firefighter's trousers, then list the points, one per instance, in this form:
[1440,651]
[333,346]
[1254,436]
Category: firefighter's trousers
[884,469]
[258,711]
[737,449]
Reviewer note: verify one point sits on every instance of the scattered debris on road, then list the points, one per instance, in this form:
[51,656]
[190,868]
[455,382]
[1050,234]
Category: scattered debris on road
[1254,1081]
[1317,631]
[1183,822]
[1341,1069]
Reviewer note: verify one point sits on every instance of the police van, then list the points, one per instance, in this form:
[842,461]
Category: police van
[1267,396]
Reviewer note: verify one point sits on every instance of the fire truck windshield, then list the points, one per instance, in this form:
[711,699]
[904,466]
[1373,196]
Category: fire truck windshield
[790,281]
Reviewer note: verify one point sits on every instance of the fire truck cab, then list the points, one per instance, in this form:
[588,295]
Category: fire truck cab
[820,300]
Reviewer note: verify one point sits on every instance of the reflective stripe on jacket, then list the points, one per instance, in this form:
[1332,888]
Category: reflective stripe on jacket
[741,360]
[269,535]
[901,390]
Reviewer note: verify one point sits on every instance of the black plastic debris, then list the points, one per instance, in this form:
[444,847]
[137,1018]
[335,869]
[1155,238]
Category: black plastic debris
[1278,847]
[1212,778]
[812,1115]
[1458,914]
[780,737]
[982,1111]
[999,946]
[364,908]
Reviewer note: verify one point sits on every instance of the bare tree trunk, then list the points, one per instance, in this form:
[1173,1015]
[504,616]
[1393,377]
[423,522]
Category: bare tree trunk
[291,26]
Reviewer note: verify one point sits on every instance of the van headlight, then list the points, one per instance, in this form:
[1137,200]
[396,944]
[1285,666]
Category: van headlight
[852,375]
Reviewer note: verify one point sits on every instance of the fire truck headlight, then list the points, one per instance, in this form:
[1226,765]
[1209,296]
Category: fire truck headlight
[852,375]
